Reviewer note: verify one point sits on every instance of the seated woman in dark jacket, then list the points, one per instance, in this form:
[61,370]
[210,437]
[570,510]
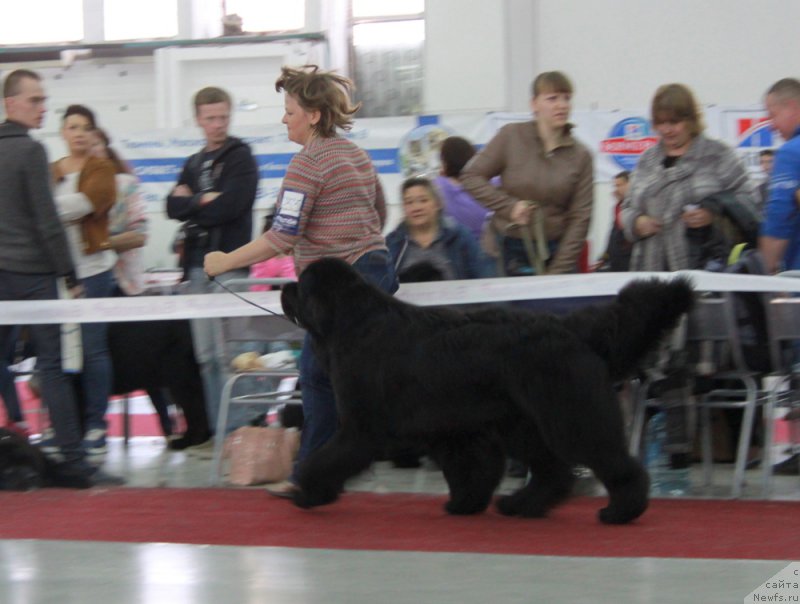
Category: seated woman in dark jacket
[429,247]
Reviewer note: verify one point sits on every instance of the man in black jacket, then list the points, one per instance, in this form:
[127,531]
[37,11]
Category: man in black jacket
[214,198]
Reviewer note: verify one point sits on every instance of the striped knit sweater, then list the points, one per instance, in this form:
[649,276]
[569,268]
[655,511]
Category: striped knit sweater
[331,204]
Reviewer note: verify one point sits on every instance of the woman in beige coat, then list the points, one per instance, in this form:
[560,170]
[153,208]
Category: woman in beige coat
[545,183]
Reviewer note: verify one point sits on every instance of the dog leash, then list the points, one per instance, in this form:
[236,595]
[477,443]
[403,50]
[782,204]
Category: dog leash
[539,254]
[250,302]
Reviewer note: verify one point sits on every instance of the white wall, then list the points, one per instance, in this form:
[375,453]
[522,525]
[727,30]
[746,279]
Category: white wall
[465,56]
[620,51]
[482,55]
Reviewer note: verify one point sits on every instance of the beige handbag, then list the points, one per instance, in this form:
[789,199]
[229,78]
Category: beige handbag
[257,455]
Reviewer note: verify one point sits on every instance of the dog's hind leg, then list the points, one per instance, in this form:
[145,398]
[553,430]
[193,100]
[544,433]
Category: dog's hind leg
[597,440]
[582,423]
[550,482]
[473,466]
[627,484]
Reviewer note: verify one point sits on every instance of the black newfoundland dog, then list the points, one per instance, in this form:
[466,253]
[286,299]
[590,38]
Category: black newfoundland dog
[156,355]
[477,386]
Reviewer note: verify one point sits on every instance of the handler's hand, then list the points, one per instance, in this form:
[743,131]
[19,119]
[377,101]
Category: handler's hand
[521,212]
[215,263]
[182,191]
[77,292]
[647,226]
[698,218]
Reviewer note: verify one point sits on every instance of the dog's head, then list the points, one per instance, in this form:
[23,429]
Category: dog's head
[421,272]
[325,289]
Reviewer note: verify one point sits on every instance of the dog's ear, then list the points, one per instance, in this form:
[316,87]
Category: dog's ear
[289,303]
[302,305]
[316,306]
[324,294]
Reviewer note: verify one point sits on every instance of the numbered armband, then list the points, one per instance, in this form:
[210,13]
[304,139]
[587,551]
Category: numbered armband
[290,208]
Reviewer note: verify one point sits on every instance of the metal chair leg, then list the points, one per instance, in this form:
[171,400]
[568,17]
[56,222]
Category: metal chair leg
[639,395]
[219,435]
[745,434]
[126,419]
[707,451]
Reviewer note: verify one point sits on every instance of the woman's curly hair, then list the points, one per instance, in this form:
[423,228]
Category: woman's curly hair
[322,91]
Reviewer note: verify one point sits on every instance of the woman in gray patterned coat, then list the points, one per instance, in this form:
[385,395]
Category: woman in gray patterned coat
[669,215]
[671,206]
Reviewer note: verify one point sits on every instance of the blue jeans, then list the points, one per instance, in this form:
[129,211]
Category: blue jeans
[97,376]
[8,388]
[206,344]
[57,392]
[319,404]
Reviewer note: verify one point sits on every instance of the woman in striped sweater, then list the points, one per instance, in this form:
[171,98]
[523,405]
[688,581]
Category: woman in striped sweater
[331,204]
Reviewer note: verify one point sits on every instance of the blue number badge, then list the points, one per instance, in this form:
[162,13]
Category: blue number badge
[290,207]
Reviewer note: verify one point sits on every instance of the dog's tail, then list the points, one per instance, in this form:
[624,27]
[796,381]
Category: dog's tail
[625,331]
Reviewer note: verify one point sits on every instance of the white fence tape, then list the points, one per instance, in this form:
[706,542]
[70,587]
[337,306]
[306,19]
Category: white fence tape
[145,308]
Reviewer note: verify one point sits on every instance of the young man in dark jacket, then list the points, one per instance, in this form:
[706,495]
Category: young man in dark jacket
[34,255]
[214,198]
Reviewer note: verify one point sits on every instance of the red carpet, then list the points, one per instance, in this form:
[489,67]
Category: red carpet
[670,528]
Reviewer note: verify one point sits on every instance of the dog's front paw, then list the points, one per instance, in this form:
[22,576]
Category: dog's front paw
[309,498]
[611,515]
[465,508]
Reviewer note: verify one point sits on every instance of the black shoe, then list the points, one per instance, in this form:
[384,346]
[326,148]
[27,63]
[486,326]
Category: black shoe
[183,442]
[788,467]
[752,464]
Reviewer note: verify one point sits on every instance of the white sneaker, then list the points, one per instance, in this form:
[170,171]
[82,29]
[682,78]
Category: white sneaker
[94,442]
[48,442]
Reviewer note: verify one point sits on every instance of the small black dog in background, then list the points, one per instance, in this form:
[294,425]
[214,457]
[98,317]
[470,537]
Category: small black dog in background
[24,467]
[151,355]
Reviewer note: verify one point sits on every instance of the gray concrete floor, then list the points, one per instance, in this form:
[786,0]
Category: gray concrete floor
[66,572]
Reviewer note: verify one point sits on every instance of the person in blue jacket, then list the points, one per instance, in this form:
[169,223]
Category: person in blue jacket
[779,243]
[428,246]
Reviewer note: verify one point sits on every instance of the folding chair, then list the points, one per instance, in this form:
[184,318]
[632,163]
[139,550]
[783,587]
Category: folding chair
[783,323]
[712,329]
[714,322]
[231,332]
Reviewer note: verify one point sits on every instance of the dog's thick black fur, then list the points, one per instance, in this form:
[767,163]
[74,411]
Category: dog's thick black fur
[24,467]
[150,355]
[477,386]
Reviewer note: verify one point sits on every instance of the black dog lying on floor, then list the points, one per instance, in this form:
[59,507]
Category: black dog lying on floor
[478,386]
[24,467]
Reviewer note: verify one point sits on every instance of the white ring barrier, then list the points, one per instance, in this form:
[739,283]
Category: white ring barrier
[474,291]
